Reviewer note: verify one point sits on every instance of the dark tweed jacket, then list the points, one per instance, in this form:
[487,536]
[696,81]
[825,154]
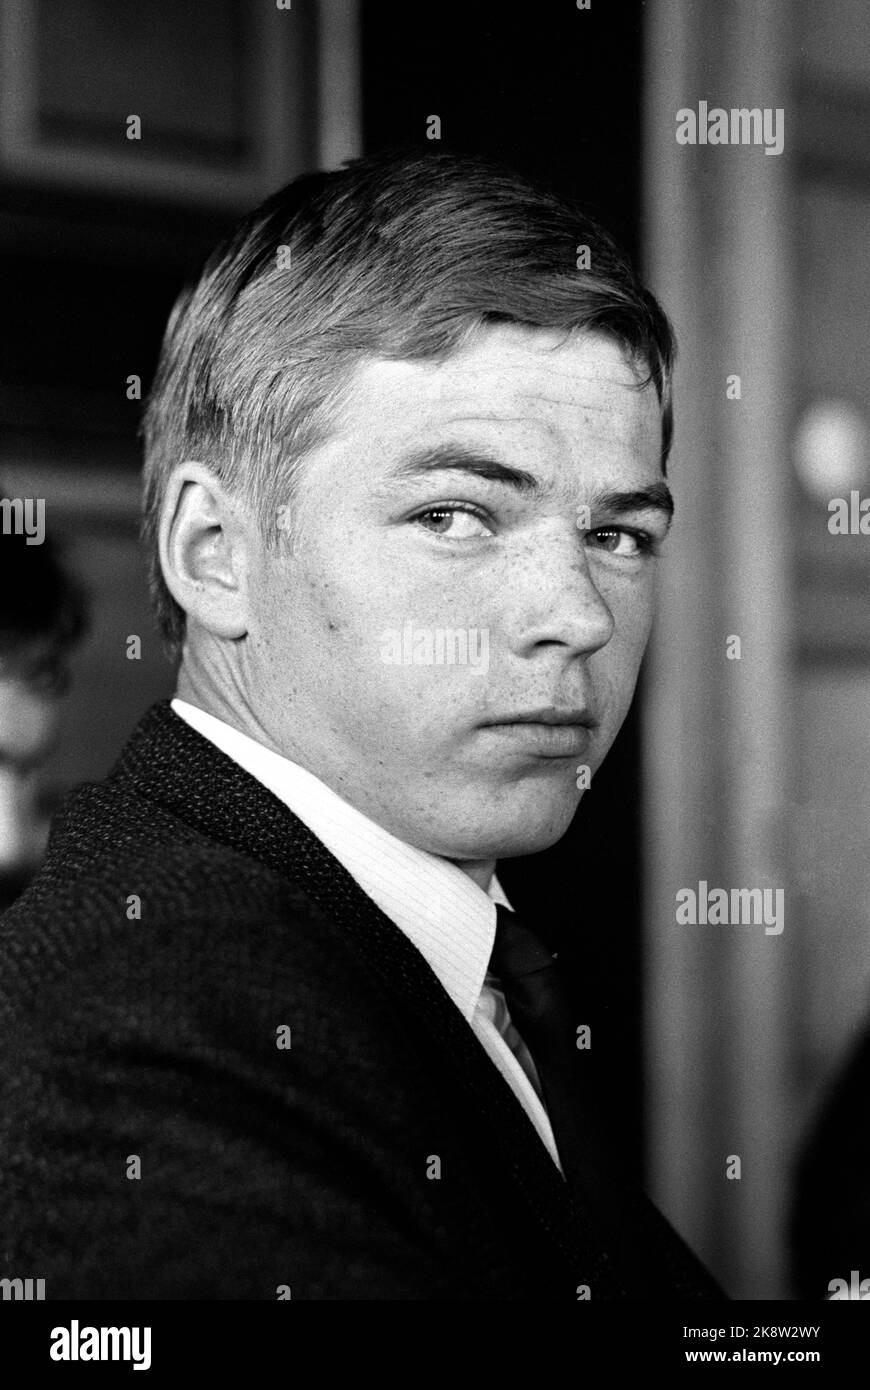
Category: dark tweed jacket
[261,1169]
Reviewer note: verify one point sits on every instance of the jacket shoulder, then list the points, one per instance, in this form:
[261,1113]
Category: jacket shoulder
[128,887]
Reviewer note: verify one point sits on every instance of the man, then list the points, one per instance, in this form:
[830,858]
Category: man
[43,616]
[280,1034]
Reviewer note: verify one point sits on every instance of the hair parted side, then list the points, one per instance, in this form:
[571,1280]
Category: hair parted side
[401,255]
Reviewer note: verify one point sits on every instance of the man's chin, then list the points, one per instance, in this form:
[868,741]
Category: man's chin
[530,831]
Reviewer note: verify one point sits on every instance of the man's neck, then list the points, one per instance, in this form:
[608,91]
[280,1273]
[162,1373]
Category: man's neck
[480,871]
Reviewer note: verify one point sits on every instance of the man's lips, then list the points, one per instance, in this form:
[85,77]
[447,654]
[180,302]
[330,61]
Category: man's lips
[546,715]
[547,732]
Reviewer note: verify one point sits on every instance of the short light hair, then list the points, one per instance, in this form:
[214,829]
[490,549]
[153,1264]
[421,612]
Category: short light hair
[398,256]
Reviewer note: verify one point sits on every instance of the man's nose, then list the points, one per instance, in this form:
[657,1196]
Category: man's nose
[564,604]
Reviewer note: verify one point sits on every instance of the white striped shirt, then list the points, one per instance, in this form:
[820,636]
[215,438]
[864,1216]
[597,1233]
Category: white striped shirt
[442,911]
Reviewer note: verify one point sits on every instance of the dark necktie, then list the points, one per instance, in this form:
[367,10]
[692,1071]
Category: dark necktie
[541,1012]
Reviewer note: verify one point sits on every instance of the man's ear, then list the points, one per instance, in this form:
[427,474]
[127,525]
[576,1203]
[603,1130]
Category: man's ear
[203,544]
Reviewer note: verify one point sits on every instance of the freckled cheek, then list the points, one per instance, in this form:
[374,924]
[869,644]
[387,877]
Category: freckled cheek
[618,663]
[632,606]
[638,628]
[347,625]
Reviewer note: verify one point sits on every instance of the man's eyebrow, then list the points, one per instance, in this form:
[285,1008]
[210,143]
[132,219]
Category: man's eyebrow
[655,496]
[456,458]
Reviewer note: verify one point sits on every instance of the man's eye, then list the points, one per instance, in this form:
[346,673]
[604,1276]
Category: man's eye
[616,540]
[457,523]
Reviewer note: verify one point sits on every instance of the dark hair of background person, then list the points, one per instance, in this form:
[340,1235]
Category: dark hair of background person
[43,614]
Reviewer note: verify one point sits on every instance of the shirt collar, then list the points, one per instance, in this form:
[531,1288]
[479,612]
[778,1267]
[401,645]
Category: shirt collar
[448,917]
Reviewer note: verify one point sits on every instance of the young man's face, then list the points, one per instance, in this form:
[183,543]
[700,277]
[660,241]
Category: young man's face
[448,500]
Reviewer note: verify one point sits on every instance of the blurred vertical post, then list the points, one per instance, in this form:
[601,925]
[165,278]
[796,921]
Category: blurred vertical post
[339,82]
[717,731]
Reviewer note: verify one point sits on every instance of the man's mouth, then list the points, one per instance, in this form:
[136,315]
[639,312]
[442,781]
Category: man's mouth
[547,732]
[547,715]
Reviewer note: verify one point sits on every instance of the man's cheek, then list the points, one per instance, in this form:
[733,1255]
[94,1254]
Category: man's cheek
[624,652]
[406,703]
[613,685]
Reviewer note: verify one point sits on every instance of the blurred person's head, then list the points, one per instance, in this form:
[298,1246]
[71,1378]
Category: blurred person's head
[418,395]
[42,616]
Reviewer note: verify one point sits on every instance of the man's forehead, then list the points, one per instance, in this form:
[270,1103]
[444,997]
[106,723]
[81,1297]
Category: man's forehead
[512,382]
